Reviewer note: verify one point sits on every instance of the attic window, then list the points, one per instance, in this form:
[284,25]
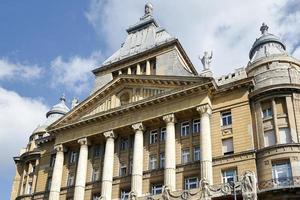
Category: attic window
[124,98]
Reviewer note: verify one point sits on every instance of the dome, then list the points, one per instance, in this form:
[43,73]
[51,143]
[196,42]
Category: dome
[56,112]
[267,44]
[59,108]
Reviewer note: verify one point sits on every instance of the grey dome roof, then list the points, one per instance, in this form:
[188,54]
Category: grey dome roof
[56,112]
[59,108]
[276,46]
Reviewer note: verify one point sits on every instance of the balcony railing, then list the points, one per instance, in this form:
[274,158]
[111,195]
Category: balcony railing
[278,183]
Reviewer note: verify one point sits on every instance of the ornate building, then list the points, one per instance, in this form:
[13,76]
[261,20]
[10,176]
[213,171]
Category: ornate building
[155,128]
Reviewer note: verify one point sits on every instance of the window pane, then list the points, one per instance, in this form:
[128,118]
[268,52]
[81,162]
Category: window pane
[269,137]
[285,135]
[227,145]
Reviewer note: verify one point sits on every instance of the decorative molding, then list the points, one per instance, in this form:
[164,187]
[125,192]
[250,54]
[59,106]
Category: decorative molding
[138,127]
[109,134]
[59,148]
[83,141]
[170,118]
[206,108]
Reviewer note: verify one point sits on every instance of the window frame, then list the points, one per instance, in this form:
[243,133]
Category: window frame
[156,189]
[185,129]
[226,118]
[152,162]
[124,143]
[162,135]
[226,178]
[123,169]
[73,157]
[188,183]
[196,152]
[153,136]
[232,146]
[196,126]
[187,154]
[162,160]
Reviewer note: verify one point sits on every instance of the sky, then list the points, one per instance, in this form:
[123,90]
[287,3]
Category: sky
[48,48]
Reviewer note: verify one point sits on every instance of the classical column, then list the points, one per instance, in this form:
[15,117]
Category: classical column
[137,162]
[129,70]
[57,173]
[81,170]
[107,176]
[148,68]
[138,69]
[170,152]
[205,143]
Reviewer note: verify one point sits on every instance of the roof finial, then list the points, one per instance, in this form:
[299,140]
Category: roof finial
[264,28]
[148,9]
[63,97]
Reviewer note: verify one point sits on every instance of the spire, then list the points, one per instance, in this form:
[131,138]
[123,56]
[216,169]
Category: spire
[264,28]
[63,97]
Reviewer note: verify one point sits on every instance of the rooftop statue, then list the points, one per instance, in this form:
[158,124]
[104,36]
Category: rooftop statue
[148,9]
[206,60]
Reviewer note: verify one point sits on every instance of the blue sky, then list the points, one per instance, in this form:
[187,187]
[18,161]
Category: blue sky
[49,47]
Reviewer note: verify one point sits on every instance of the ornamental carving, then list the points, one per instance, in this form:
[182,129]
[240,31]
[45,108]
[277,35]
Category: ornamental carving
[170,118]
[248,184]
[138,127]
[109,134]
[204,109]
[59,148]
[83,141]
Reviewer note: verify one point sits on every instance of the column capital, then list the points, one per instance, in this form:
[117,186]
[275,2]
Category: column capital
[59,148]
[83,141]
[169,118]
[206,108]
[138,126]
[109,134]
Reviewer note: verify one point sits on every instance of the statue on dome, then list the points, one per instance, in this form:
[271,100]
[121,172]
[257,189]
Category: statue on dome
[264,28]
[206,60]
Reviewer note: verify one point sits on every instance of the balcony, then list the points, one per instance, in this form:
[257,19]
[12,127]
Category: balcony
[280,183]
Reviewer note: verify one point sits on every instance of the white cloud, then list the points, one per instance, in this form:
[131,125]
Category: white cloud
[18,71]
[19,117]
[229,28]
[75,73]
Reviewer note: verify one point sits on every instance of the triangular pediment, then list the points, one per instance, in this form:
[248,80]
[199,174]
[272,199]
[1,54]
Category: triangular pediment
[126,90]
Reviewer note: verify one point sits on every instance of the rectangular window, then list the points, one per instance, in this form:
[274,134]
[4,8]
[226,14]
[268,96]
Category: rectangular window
[52,160]
[282,173]
[73,157]
[97,151]
[196,153]
[229,175]
[124,195]
[70,180]
[185,128]
[226,118]
[185,156]
[124,143]
[285,135]
[227,146]
[123,169]
[95,175]
[191,183]
[163,132]
[162,160]
[196,126]
[266,108]
[152,162]
[156,189]
[153,136]
[269,137]
[29,188]
[96,196]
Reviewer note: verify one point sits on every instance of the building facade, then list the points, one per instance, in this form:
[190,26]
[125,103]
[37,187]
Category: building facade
[155,128]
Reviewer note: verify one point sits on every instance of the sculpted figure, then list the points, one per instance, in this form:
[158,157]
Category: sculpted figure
[248,184]
[148,9]
[166,192]
[132,195]
[205,191]
[206,60]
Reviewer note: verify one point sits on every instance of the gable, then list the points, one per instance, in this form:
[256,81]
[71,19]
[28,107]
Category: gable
[126,89]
